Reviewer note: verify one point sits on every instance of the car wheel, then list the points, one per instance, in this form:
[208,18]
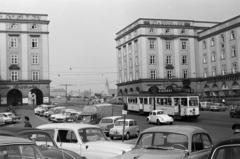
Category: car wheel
[127,137]
[111,137]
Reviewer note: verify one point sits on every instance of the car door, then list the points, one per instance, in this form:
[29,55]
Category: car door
[67,139]
[201,146]
[153,118]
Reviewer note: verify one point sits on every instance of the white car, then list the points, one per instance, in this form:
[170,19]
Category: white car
[107,123]
[2,121]
[159,117]
[64,116]
[131,129]
[7,118]
[87,140]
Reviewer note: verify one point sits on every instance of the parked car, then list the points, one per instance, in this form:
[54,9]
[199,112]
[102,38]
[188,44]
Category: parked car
[228,148]
[171,142]
[40,109]
[18,148]
[56,112]
[131,129]
[65,116]
[7,118]
[2,121]
[87,118]
[85,139]
[205,106]
[107,123]
[235,111]
[218,107]
[15,118]
[159,117]
[51,111]
[42,139]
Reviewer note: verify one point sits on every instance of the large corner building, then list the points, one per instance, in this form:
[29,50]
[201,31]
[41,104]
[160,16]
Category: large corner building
[24,58]
[158,56]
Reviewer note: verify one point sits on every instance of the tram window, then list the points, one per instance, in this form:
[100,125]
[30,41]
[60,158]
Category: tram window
[176,101]
[141,100]
[169,101]
[150,100]
[135,100]
[184,101]
[145,101]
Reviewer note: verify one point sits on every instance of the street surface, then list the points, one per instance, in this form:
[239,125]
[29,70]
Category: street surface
[218,124]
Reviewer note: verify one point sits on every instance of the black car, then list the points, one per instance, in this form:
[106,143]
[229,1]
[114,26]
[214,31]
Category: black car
[43,140]
[227,149]
[235,111]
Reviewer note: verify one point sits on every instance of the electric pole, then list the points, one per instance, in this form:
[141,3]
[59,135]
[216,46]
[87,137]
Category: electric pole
[66,89]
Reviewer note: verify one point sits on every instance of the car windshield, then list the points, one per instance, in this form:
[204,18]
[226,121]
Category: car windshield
[40,139]
[106,121]
[230,152]
[92,134]
[20,151]
[160,112]
[161,140]
[121,123]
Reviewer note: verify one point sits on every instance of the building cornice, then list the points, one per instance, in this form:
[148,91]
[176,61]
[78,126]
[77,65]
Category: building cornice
[24,21]
[23,32]
[35,14]
[218,31]
[157,36]
[228,77]
[160,26]
[7,82]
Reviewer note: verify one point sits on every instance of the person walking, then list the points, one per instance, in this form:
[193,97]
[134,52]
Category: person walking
[27,122]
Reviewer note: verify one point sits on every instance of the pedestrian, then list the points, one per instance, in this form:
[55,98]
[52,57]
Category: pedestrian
[236,128]
[27,122]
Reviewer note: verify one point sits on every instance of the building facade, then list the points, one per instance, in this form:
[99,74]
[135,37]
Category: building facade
[164,55]
[24,58]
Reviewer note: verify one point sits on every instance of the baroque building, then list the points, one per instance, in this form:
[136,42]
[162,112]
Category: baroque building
[24,58]
[159,56]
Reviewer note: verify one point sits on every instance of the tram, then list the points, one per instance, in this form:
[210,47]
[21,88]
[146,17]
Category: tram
[179,106]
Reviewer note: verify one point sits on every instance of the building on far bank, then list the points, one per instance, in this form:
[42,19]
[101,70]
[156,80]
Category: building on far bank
[24,58]
[157,56]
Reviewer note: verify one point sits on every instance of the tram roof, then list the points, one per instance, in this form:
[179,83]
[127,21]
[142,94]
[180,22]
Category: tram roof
[161,95]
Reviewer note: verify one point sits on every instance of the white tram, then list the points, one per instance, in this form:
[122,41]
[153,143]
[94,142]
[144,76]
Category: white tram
[177,106]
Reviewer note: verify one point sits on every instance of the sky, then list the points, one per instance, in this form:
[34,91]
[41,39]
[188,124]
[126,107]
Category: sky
[82,32]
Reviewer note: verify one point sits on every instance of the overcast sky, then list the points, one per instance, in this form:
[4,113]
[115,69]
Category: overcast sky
[82,47]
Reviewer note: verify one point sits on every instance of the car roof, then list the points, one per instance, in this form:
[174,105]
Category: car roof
[19,130]
[126,120]
[112,117]
[9,140]
[235,139]
[74,126]
[182,129]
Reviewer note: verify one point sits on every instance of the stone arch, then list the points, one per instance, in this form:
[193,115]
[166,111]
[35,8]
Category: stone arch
[39,96]
[14,97]
[154,89]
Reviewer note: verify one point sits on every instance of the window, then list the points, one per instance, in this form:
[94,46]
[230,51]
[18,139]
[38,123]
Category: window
[204,44]
[222,54]
[13,26]
[212,41]
[66,136]
[185,73]
[124,51]
[152,60]
[153,74]
[34,26]
[233,51]
[14,59]
[169,60]
[224,69]
[135,46]
[169,74]
[34,42]
[35,75]
[184,59]
[14,76]
[13,42]
[222,38]
[205,58]
[129,48]
[119,53]
[184,45]
[214,70]
[151,30]
[167,30]
[197,144]
[205,72]
[35,59]
[213,57]
[183,31]
[234,67]
[136,60]
[232,35]
[151,43]
[168,45]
